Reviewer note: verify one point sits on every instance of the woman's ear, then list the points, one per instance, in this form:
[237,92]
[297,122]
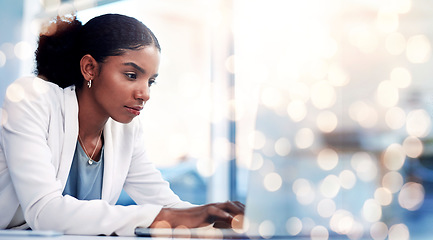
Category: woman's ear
[89,67]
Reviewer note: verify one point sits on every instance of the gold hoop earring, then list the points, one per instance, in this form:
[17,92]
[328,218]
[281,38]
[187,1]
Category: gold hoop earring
[89,83]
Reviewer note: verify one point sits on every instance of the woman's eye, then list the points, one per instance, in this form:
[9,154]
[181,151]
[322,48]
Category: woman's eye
[131,75]
[152,81]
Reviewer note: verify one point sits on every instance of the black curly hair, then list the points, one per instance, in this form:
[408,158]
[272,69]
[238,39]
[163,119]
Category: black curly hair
[61,48]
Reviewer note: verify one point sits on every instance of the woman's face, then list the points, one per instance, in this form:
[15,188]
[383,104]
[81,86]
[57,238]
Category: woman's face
[121,88]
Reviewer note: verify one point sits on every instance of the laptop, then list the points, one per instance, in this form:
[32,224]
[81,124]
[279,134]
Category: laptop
[321,192]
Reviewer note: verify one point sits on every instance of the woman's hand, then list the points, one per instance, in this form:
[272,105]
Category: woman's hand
[222,215]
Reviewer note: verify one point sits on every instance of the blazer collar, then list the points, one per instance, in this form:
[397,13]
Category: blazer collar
[70,129]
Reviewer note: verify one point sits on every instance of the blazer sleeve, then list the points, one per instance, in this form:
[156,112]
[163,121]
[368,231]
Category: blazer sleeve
[144,183]
[30,116]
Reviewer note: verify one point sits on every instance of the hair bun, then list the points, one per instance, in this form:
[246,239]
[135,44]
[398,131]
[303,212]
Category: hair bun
[58,50]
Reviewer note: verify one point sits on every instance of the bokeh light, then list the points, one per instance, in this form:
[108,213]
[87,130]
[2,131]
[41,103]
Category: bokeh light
[387,94]
[347,179]
[2,59]
[418,49]
[293,226]
[363,37]
[387,21]
[383,196]
[418,123]
[326,121]
[304,138]
[23,50]
[282,146]
[15,92]
[342,221]
[267,229]
[272,182]
[319,233]
[297,110]
[326,207]
[372,210]
[330,186]
[413,146]
[323,95]
[398,232]
[304,191]
[394,157]
[393,181]
[395,43]
[327,159]
[364,165]
[363,113]
[337,76]
[411,196]
[379,231]
[401,77]
[395,118]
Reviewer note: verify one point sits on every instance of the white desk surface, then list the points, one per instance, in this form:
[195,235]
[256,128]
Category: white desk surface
[68,237]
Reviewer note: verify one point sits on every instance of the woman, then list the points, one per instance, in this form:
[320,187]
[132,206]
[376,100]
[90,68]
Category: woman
[70,139]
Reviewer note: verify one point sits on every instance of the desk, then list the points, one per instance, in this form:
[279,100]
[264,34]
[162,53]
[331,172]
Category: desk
[68,237]
[421,236]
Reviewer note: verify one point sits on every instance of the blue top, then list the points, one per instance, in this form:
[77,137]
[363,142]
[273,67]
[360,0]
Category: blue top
[85,177]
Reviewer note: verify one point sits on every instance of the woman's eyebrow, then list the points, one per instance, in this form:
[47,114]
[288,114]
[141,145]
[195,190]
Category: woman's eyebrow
[134,66]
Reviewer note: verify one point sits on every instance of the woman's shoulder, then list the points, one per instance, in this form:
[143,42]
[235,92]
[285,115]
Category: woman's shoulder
[32,88]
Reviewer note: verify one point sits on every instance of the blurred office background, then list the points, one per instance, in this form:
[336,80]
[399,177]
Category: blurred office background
[330,100]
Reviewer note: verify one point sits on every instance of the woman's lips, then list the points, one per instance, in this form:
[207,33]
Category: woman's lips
[134,110]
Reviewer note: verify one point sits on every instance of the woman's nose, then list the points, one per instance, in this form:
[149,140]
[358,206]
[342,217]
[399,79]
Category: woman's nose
[143,93]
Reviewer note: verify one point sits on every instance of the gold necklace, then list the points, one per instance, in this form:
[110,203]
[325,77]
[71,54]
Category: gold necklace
[90,161]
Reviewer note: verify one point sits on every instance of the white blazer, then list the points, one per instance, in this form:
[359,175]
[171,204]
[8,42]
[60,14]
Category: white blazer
[37,143]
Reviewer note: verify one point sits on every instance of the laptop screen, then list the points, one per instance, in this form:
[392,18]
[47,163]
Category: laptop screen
[304,181]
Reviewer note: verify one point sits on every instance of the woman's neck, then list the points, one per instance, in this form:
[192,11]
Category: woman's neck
[91,121]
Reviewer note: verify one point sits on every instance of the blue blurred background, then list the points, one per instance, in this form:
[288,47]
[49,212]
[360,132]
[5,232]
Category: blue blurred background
[328,100]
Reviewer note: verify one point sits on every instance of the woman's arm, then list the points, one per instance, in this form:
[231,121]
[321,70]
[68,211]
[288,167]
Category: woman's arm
[32,138]
[146,185]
